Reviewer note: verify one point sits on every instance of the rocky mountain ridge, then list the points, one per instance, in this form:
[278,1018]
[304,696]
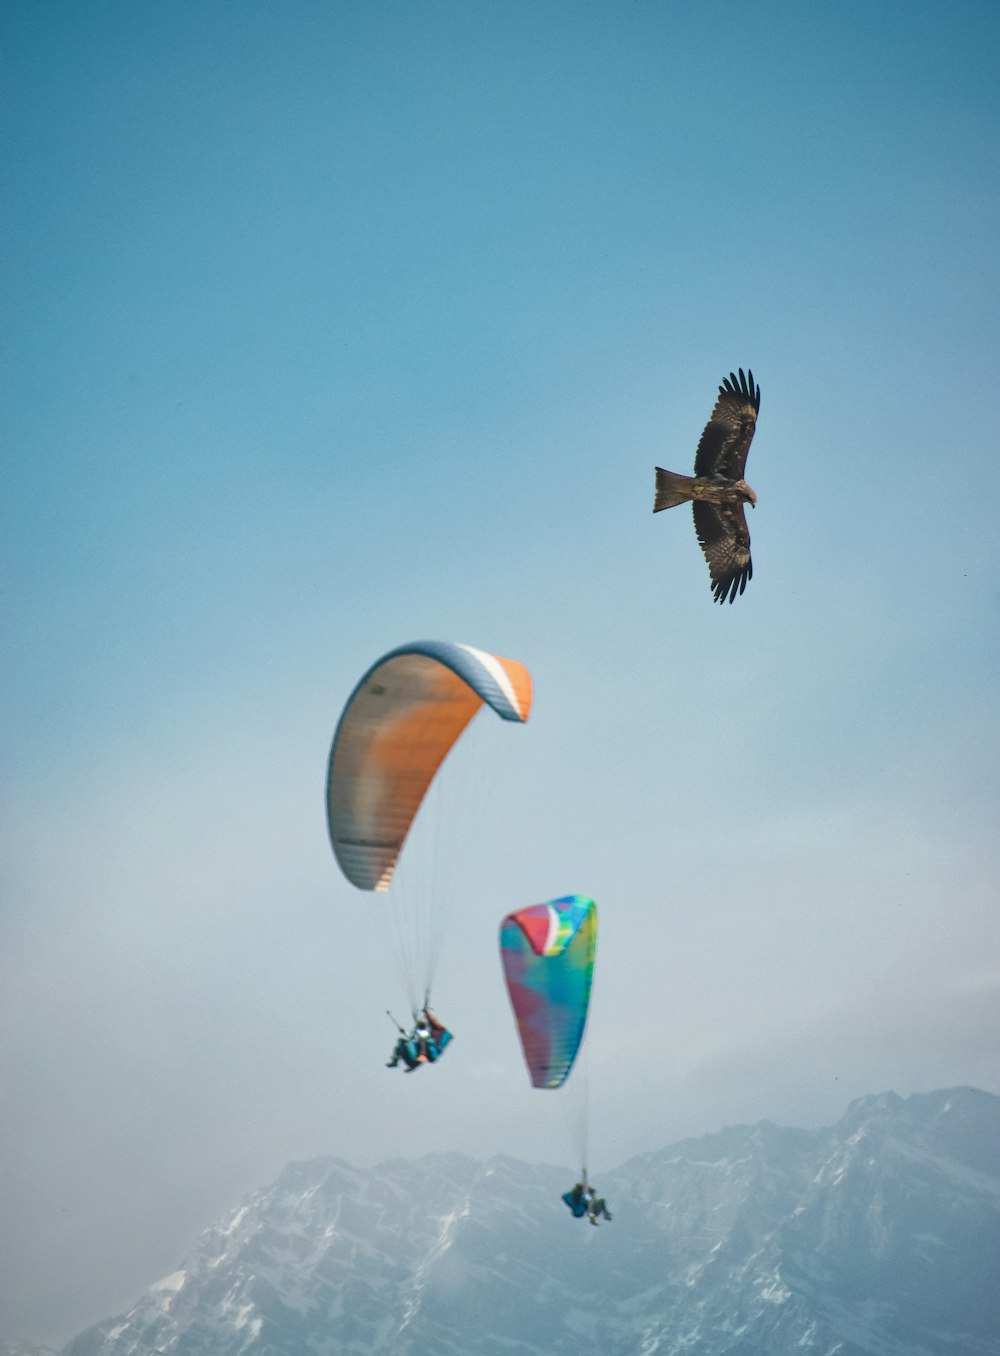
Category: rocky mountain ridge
[879,1235]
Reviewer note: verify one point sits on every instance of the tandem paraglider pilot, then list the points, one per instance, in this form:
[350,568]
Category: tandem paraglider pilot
[423,1045]
[583,1202]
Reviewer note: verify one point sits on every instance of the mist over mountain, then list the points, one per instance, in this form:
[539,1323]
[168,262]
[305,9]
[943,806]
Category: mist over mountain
[879,1235]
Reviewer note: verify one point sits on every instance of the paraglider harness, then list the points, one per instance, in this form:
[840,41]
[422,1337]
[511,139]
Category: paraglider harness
[423,1045]
[583,1201]
[579,1198]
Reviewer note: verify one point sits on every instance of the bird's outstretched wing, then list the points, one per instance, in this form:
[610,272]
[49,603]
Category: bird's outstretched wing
[726,440]
[725,540]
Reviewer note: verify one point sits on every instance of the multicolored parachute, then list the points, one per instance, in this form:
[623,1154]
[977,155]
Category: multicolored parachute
[400,722]
[548,953]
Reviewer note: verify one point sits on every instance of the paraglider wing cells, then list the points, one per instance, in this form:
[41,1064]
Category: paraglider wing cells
[547,952]
[398,726]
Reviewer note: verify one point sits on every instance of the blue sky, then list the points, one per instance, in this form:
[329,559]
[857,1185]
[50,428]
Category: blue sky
[329,327]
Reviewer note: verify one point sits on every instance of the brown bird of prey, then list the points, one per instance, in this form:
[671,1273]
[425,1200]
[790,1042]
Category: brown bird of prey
[717,490]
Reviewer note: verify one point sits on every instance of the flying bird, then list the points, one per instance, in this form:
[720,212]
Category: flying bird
[717,490]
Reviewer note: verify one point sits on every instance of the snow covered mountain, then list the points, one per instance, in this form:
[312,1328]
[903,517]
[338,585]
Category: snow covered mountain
[878,1236]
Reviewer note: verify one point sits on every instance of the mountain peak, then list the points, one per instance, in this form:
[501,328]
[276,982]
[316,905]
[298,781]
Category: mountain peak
[960,1123]
[878,1234]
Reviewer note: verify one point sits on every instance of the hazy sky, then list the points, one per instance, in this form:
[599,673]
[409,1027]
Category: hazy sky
[331,326]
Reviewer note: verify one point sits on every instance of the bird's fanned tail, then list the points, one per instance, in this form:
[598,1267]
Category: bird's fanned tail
[671,489]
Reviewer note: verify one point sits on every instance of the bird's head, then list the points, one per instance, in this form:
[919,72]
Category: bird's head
[746,493]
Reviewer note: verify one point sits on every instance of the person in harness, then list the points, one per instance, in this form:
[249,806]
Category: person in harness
[584,1202]
[423,1045]
[432,1036]
[597,1207]
[405,1052]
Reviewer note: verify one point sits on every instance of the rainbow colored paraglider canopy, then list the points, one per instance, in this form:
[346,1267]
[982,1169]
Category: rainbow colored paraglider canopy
[547,952]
